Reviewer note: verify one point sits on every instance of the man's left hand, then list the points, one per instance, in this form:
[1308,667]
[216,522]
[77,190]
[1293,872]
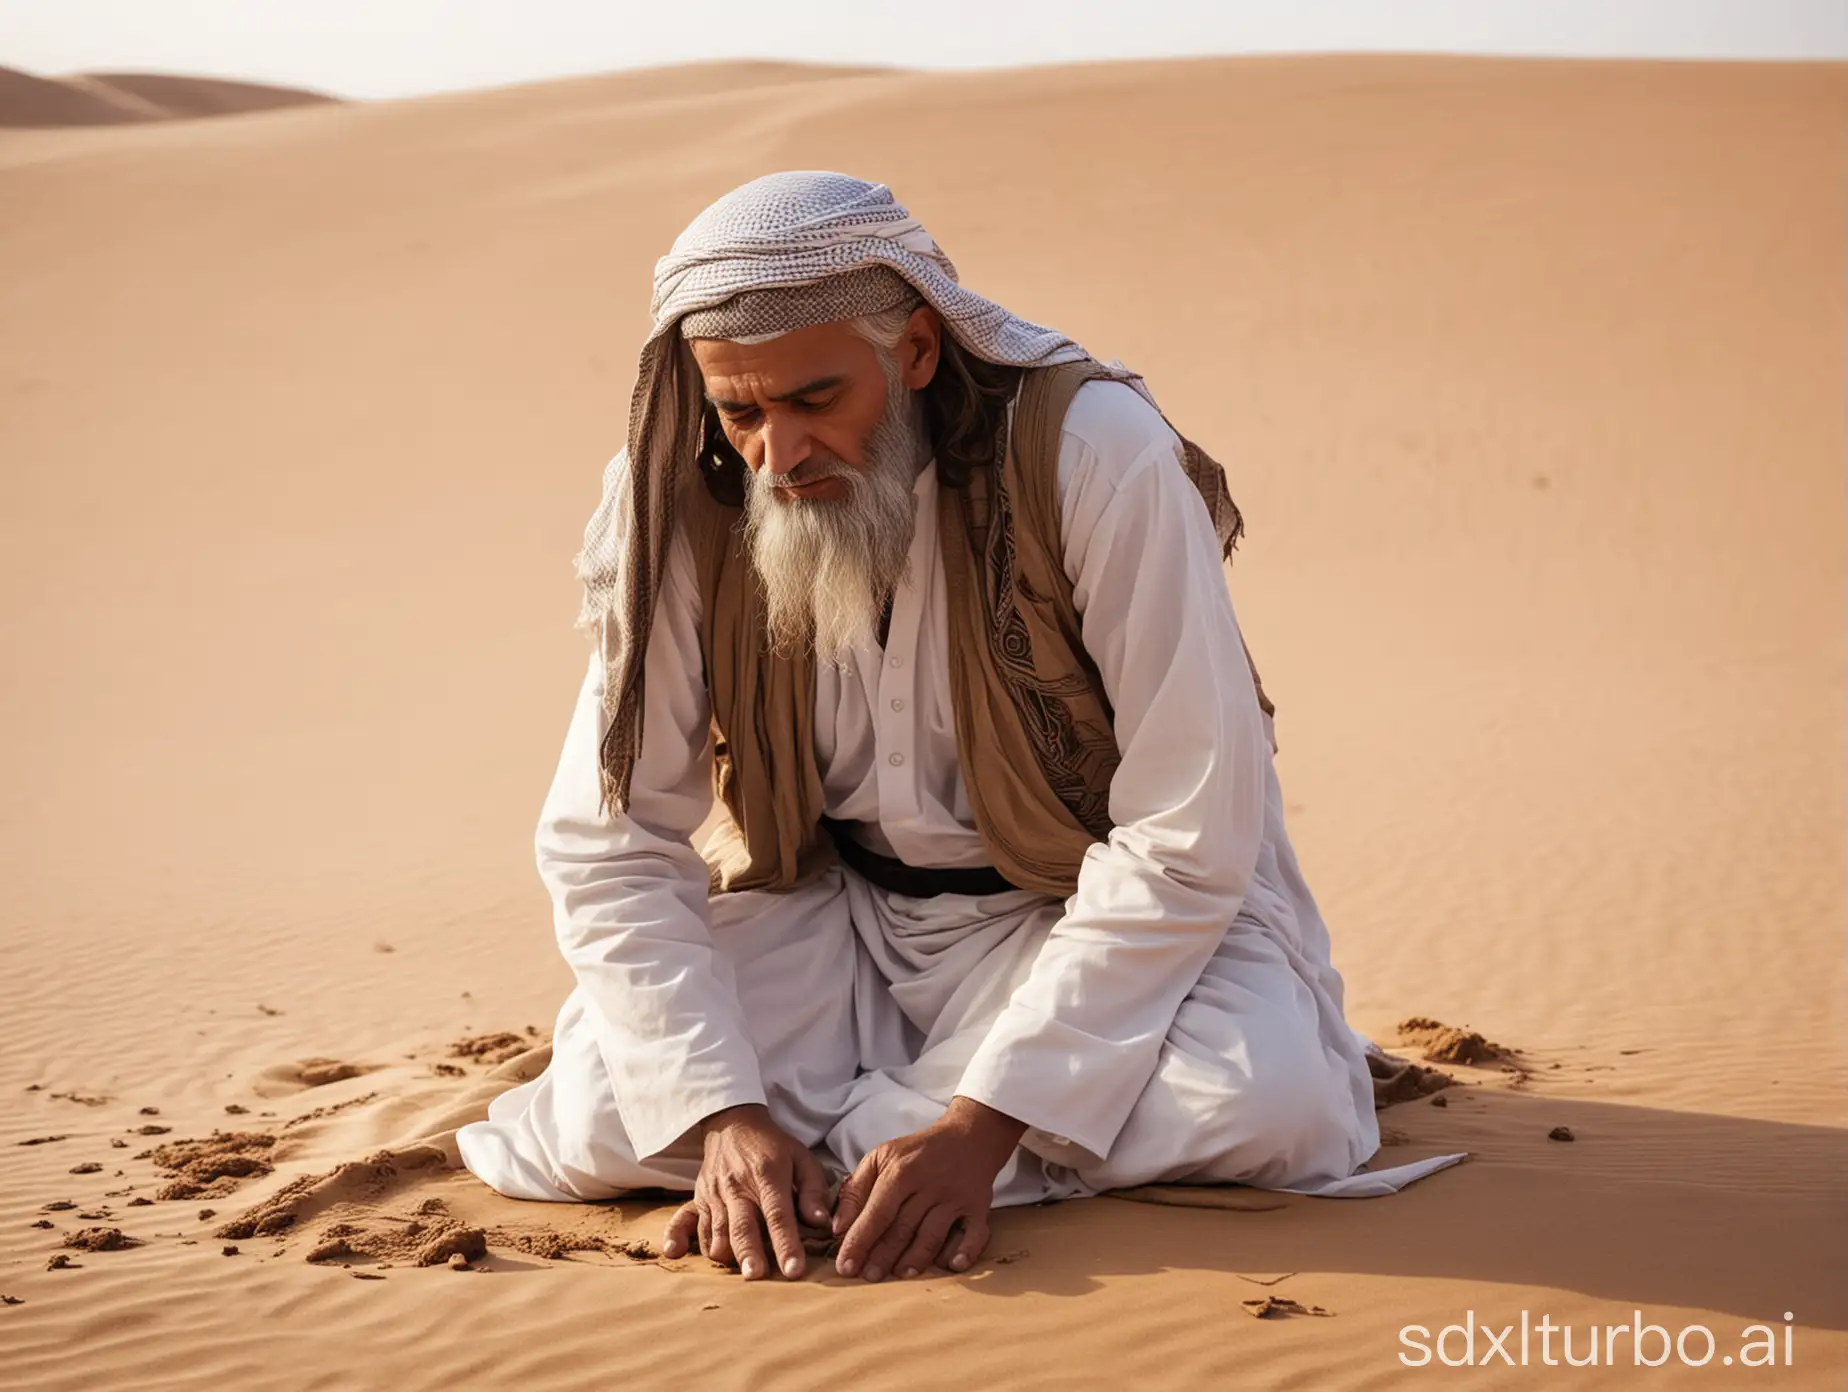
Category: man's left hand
[924,1198]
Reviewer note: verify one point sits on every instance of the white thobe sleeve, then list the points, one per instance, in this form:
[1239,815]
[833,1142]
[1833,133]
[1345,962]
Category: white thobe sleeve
[629,893]
[1083,1033]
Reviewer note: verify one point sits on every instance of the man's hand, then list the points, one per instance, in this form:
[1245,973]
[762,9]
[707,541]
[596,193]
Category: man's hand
[924,1198]
[754,1176]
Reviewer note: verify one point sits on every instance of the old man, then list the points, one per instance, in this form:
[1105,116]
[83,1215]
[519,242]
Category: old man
[1000,907]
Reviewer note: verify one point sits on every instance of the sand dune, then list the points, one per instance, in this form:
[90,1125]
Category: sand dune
[1529,379]
[106,99]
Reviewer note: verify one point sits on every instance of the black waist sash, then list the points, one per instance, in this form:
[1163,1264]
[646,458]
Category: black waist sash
[917,881]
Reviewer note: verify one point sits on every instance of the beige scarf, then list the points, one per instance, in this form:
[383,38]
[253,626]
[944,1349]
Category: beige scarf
[1031,712]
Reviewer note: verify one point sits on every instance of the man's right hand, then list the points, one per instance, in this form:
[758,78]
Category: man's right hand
[753,1179]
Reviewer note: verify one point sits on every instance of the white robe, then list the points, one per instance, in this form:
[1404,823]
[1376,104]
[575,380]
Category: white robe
[1176,1019]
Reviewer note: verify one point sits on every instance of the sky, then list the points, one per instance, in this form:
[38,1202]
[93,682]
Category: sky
[386,48]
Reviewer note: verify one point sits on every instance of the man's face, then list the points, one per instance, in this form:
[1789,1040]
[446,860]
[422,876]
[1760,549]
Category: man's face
[833,433]
[803,406]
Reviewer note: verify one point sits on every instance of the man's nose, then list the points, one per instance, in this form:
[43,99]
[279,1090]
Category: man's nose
[786,444]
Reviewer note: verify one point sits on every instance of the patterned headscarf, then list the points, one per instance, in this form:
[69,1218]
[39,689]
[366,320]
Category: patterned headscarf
[773,234]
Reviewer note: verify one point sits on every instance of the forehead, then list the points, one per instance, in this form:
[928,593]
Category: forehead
[783,364]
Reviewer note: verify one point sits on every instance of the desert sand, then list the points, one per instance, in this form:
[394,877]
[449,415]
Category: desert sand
[109,99]
[1529,378]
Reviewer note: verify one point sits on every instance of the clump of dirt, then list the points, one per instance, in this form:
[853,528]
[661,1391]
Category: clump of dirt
[1561,1133]
[1397,1080]
[44,1140]
[140,1202]
[489,1048]
[442,1070]
[1441,1043]
[87,1167]
[62,1262]
[211,1168]
[81,1099]
[58,1206]
[99,1240]
[117,1143]
[236,1109]
[150,1130]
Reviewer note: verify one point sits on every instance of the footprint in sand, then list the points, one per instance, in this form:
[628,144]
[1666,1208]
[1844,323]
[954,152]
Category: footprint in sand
[285,1079]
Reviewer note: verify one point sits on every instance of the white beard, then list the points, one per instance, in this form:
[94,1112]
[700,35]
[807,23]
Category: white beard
[827,567]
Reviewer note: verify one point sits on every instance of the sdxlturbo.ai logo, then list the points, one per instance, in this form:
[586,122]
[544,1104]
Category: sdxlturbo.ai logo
[1588,1346]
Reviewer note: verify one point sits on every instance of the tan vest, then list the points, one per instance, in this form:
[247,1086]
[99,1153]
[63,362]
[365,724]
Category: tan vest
[1033,724]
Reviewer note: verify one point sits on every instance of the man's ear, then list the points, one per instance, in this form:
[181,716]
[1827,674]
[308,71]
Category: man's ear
[921,348]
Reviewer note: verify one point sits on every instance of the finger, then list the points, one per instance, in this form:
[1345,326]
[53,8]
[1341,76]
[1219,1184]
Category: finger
[932,1233]
[870,1225]
[811,1188]
[680,1230]
[971,1244]
[882,1260]
[852,1198]
[747,1241]
[705,1228]
[951,1241]
[780,1219]
[719,1214]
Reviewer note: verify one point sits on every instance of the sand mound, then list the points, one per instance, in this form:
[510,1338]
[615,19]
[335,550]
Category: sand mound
[359,1182]
[285,1079]
[1441,1043]
[430,1239]
[320,1072]
[182,97]
[26,100]
[97,99]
